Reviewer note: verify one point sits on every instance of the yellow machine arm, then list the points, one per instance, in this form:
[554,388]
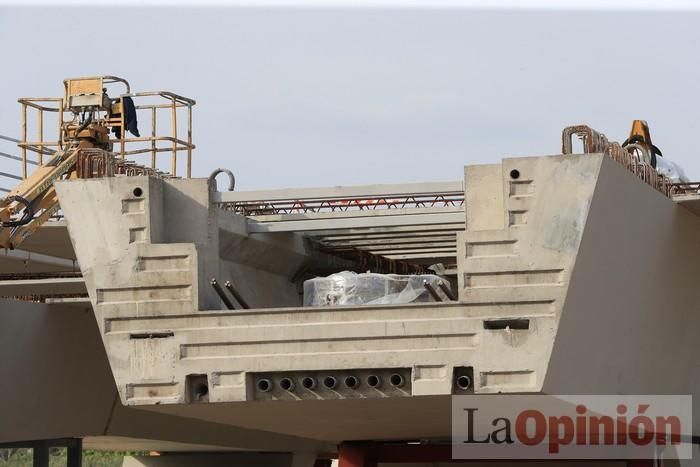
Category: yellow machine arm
[84,148]
[34,200]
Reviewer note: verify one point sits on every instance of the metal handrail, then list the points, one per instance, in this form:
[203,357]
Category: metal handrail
[107,79]
[172,100]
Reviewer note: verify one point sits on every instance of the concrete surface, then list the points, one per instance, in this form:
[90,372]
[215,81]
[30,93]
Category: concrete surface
[533,258]
[50,286]
[56,382]
[174,350]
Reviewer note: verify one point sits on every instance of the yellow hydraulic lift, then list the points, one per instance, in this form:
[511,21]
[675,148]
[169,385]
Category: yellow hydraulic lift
[92,142]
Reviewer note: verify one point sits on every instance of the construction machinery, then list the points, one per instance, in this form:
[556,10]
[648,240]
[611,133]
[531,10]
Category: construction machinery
[91,142]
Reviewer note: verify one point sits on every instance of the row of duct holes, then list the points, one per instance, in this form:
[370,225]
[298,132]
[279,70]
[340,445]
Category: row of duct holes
[330,382]
[463,382]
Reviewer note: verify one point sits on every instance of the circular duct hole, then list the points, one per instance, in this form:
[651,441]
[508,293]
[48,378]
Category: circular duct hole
[329,382]
[464,382]
[138,192]
[396,380]
[287,384]
[351,382]
[374,381]
[308,382]
[264,385]
[201,391]
[515,174]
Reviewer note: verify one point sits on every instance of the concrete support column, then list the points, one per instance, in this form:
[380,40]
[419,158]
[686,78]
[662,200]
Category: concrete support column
[75,454]
[40,455]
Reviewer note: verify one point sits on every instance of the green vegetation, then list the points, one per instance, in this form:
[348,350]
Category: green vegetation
[23,458]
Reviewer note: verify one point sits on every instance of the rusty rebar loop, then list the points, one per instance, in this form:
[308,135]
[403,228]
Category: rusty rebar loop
[633,157]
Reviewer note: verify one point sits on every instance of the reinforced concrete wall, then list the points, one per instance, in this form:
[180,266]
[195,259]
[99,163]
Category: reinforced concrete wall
[631,313]
[538,310]
[56,383]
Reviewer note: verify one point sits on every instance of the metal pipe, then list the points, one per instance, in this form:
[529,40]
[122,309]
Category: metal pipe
[117,79]
[83,125]
[446,290]
[153,135]
[189,141]
[236,295]
[174,130]
[156,106]
[167,95]
[24,140]
[222,295]
[34,146]
[431,290]
[60,124]
[122,122]
[14,177]
[32,102]
[135,139]
[40,130]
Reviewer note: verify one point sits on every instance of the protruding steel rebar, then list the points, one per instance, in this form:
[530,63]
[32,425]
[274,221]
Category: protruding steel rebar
[231,178]
[222,295]
[431,290]
[446,290]
[236,295]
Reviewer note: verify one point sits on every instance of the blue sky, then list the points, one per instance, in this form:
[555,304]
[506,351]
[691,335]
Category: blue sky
[304,96]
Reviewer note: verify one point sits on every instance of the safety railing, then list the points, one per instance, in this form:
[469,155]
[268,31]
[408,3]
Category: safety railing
[9,171]
[40,145]
[169,102]
[177,109]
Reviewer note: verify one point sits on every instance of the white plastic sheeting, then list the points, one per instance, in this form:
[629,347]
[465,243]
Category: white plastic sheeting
[350,288]
[671,170]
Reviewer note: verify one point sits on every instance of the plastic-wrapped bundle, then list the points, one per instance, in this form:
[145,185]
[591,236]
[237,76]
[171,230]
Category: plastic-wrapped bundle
[672,170]
[350,288]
